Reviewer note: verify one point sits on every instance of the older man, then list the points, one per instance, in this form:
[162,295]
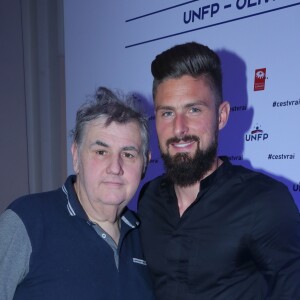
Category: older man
[80,241]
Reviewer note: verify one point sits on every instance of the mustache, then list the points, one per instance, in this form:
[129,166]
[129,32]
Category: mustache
[185,138]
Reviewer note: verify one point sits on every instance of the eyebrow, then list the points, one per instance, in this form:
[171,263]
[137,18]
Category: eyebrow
[188,105]
[131,148]
[165,107]
[100,143]
[201,103]
[125,148]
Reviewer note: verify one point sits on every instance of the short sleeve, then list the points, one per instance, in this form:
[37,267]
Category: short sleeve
[15,251]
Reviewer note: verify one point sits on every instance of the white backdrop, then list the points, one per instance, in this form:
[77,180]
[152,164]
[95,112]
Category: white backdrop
[112,43]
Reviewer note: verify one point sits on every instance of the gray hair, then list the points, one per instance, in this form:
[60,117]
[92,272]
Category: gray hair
[113,107]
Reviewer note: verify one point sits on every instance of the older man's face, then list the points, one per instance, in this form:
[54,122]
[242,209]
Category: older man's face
[108,163]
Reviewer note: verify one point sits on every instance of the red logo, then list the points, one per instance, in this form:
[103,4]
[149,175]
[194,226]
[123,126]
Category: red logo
[260,79]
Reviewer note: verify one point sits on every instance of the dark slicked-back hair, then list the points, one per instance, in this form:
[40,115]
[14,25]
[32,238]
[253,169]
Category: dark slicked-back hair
[111,107]
[191,59]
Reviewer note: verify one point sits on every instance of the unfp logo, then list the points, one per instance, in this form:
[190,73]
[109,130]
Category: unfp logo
[296,187]
[260,79]
[257,134]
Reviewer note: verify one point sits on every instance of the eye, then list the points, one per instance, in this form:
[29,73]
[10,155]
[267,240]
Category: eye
[101,152]
[194,110]
[128,155]
[167,114]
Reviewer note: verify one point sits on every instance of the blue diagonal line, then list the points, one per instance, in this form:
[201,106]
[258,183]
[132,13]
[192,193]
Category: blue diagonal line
[211,25]
[159,11]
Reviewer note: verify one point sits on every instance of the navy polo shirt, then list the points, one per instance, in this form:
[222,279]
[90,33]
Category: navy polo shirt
[62,255]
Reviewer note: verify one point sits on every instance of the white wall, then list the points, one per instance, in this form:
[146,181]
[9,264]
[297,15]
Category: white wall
[112,43]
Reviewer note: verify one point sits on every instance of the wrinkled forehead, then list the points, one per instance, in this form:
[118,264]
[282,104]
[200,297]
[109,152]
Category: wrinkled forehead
[114,131]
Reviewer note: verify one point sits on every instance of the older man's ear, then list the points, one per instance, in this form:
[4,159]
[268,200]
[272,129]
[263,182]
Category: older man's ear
[74,151]
[146,165]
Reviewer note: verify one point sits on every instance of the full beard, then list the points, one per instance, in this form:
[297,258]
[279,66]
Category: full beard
[184,170]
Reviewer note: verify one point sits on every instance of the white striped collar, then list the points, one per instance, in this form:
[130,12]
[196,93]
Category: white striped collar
[69,206]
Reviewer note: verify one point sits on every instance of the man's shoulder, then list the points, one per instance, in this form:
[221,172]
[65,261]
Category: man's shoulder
[37,202]
[258,180]
[153,189]
[155,183]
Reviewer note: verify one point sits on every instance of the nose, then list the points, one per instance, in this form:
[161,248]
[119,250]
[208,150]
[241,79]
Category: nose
[180,125]
[114,165]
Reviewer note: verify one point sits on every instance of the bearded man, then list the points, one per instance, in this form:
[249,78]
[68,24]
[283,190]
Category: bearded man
[211,230]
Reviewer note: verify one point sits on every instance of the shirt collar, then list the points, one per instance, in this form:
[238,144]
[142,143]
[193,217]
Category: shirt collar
[75,209]
[218,175]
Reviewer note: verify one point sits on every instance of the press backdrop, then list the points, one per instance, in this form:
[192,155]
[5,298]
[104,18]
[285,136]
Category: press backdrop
[112,43]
